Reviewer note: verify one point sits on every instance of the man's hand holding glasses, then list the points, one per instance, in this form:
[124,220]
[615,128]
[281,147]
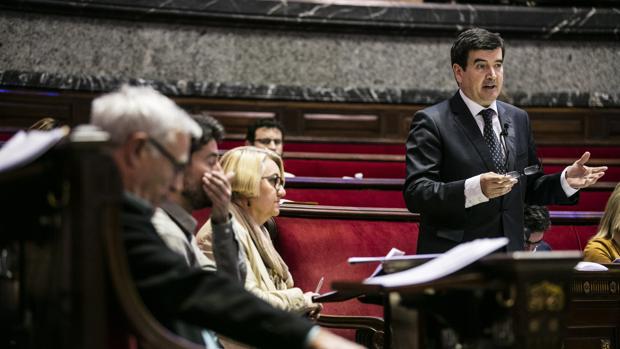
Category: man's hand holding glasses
[528,171]
[495,185]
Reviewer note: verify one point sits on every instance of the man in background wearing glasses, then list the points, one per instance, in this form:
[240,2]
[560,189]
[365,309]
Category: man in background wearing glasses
[535,223]
[268,134]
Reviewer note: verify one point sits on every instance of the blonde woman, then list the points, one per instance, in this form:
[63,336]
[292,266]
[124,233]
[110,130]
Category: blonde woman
[258,186]
[604,247]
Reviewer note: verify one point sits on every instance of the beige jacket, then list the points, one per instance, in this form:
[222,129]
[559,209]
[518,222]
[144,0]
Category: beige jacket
[258,280]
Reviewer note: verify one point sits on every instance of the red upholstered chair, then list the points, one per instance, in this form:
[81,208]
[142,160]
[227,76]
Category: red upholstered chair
[348,197]
[571,230]
[569,237]
[316,241]
[612,174]
[330,147]
[574,152]
[340,168]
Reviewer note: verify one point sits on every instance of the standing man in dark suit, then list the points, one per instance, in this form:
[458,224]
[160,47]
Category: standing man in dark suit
[460,151]
[150,143]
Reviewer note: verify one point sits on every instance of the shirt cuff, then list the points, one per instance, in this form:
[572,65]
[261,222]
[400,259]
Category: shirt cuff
[314,331]
[568,190]
[223,225]
[473,192]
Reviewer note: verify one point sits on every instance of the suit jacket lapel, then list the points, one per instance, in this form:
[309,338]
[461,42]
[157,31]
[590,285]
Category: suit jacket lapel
[506,119]
[470,128]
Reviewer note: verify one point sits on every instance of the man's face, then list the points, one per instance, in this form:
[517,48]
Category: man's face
[536,237]
[161,172]
[206,159]
[482,80]
[269,138]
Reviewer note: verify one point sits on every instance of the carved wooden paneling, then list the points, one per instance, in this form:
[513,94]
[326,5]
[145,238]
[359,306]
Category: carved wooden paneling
[23,108]
[575,125]
[314,121]
[237,122]
[342,125]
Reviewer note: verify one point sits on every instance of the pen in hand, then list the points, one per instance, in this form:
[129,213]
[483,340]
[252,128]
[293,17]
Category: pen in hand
[319,285]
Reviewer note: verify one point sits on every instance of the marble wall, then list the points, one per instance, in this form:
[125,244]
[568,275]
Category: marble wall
[81,53]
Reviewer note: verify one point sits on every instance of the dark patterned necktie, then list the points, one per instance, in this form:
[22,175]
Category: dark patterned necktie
[492,142]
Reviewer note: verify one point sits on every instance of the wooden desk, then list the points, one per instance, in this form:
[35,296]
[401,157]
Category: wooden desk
[517,300]
[594,311]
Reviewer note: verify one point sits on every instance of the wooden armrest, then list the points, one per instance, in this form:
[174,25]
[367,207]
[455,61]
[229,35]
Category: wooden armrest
[370,330]
[371,323]
[150,333]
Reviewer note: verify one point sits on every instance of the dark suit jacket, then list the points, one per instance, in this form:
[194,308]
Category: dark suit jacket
[444,148]
[186,299]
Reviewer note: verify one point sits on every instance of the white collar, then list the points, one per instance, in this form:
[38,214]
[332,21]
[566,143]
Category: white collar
[475,108]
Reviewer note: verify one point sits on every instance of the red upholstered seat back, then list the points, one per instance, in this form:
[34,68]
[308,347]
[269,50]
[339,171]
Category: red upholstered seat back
[569,237]
[544,151]
[315,248]
[575,152]
[589,200]
[319,147]
[348,197]
[340,168]
[611,175]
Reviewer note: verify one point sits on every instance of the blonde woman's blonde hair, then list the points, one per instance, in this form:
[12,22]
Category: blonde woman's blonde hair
[247,163]
[610,222]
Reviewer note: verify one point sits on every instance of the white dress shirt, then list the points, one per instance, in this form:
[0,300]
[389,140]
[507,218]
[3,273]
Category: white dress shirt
[473,190]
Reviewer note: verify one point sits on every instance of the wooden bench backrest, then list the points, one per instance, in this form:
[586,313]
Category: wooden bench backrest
[387,192]
[315,241]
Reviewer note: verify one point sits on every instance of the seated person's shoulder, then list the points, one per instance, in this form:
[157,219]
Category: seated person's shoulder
[599,250]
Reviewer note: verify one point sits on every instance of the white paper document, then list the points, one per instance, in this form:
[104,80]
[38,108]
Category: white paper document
[407,257]
[24,147]
[393,252]
[590,266]
[447,263]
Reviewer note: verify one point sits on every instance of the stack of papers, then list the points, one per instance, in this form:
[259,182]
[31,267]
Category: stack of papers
[447,263]
[25,147]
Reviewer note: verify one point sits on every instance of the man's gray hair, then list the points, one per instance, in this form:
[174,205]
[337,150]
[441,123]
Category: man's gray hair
[132,109]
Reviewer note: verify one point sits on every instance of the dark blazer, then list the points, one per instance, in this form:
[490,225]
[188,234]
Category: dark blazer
[186,299]
[444,148]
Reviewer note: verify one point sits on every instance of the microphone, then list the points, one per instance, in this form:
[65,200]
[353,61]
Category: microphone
[504,132]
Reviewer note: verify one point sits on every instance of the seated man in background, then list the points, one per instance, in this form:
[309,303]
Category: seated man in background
[204,185]
[268,134]
[535,223]
[150,142]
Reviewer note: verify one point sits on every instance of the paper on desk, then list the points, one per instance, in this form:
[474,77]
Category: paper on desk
[24,147]
[407,257]
[449,262]
[590,266]
[393,252]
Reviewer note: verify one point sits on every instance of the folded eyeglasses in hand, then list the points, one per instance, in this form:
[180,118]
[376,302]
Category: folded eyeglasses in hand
[530,170]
